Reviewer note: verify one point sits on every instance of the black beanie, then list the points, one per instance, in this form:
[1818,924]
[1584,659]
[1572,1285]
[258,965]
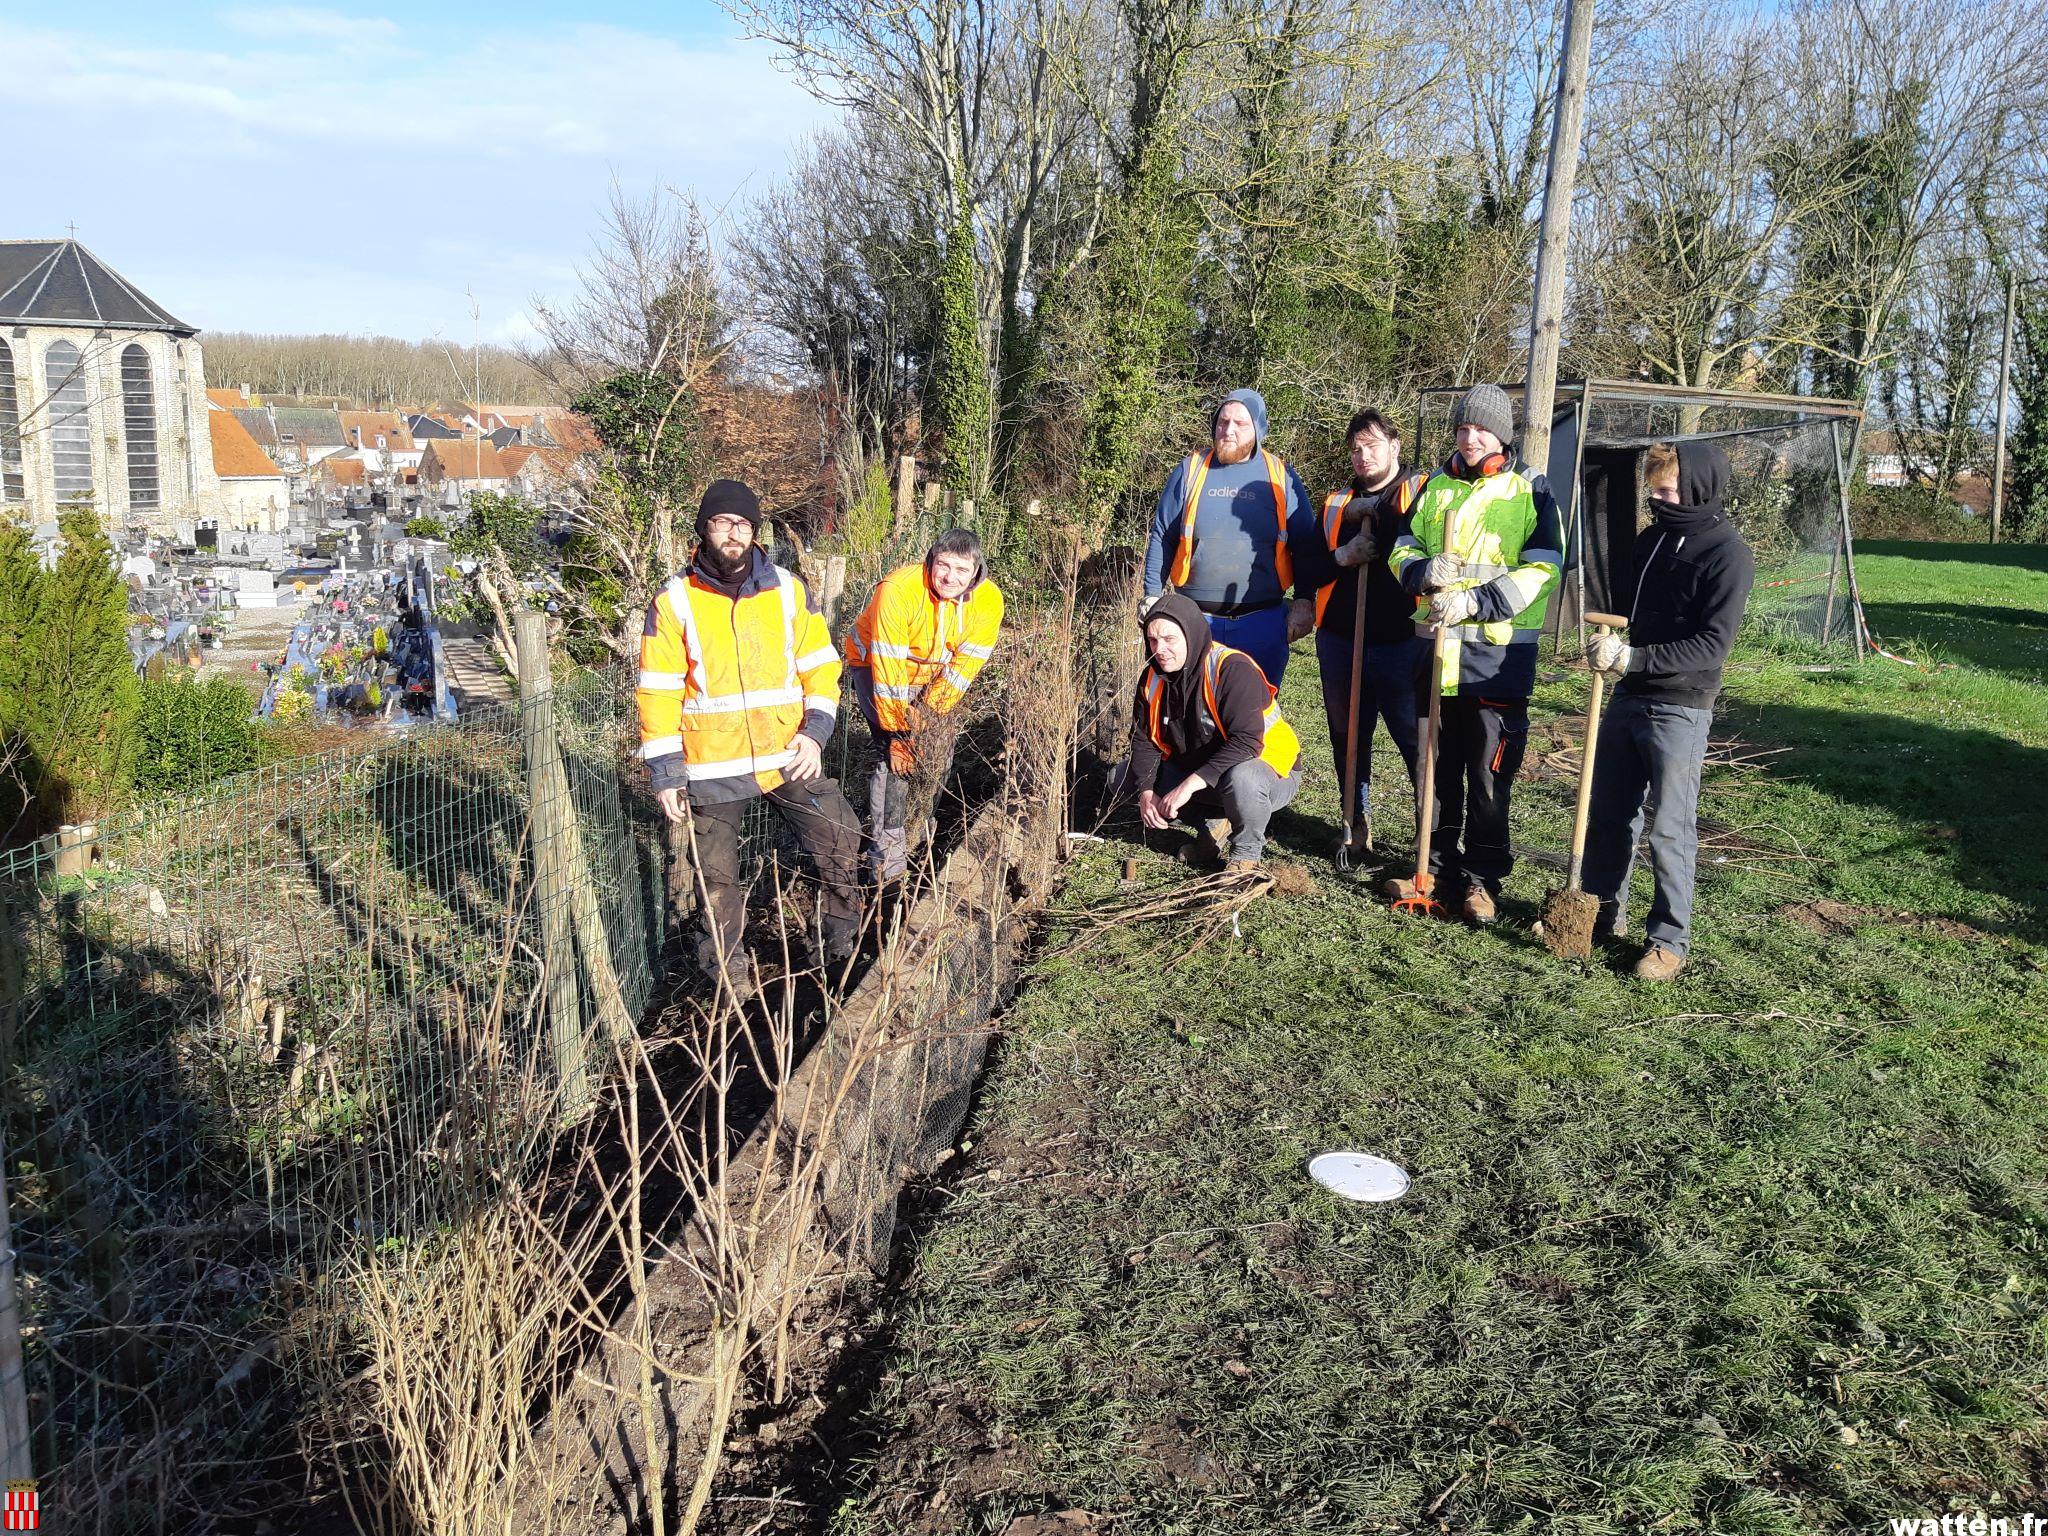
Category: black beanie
[728,498]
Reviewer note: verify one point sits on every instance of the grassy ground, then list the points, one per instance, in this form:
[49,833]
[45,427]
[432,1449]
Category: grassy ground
[1763,1251]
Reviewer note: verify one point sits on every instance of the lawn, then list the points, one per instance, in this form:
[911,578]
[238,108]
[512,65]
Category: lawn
[1762,1251]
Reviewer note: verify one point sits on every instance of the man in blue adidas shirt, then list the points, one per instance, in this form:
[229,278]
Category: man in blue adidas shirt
[1222,533]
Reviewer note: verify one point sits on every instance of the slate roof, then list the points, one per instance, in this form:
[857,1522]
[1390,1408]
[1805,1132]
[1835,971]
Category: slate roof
[423,427]
[60,282]
[256,421]
[310,427]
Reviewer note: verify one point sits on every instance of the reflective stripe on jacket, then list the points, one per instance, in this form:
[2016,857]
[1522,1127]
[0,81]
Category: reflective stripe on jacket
[922,647]
[1504,528]
[1198,471]
[726,681]
[1405,493]
[1280,748]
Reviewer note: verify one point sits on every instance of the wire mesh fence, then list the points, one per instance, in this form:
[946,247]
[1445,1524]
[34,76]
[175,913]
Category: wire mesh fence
[329,1003]
[1788,464]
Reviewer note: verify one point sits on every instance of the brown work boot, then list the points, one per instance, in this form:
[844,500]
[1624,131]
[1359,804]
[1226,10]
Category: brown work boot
[1242,867]
[1358,846]
[1477,908]
[1204,850]
[1401,888]
[1659,964]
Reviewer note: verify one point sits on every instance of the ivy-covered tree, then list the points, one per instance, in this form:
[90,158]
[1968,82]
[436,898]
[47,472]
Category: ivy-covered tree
[957,396]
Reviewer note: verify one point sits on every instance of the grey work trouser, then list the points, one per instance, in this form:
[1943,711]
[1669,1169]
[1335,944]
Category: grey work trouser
[1249,795]
[1648,750]
[888,790]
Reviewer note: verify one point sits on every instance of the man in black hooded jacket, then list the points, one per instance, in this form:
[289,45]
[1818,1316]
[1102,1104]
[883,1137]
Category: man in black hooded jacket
[1689,583]
[1206,736]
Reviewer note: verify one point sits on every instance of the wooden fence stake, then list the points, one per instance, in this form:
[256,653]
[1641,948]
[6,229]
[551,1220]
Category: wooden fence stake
[547,797]
[906,492]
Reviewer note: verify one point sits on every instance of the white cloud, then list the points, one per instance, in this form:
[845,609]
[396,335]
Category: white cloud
[259,180]
[305,21]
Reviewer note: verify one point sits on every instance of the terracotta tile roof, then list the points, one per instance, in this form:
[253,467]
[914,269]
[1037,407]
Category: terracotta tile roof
[343,470]
[370,424]
[235,454]
[227,399]
[466,459]
[565,429]
[514,458]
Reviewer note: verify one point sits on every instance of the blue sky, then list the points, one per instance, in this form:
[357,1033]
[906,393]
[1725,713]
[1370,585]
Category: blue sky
[270,167]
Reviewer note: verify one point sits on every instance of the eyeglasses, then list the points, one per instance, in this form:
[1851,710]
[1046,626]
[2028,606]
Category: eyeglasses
[727,524]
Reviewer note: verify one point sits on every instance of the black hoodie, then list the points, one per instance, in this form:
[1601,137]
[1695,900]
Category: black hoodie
[1184,720]
[1688,586]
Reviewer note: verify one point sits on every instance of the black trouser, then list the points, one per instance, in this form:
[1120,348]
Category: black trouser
[1479,750]
[827,831]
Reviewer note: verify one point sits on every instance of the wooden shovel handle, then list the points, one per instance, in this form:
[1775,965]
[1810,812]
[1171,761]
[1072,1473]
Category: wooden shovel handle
[1605,623]
[1425,804]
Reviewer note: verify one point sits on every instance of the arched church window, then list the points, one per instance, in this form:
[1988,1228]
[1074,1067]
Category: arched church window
[70,427]
[12,486]
[138,418]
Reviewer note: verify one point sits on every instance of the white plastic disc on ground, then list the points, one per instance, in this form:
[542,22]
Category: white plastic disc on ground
[1359,1176]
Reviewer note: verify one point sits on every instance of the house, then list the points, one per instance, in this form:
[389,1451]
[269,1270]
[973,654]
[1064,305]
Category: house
[307,434]
[102,393]
[377,429]
[236,399]
[450,471]
[423,426]
[254,494]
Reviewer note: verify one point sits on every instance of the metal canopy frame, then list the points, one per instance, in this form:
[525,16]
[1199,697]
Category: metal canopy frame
[1573,401]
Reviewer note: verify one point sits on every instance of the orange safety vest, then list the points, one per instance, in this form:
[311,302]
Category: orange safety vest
[922,648]
[1281,748]
[726,681]
[1198,471]
[1333,519]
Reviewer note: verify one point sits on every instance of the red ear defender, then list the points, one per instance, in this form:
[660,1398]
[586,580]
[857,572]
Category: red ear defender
[1493,464]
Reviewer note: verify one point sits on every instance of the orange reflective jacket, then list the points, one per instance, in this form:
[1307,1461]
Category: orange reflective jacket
[923,647]
[1281,747]
[726,681]
[1198,471]
[1333,522]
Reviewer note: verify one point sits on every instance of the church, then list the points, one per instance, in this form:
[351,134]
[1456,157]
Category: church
[102,396]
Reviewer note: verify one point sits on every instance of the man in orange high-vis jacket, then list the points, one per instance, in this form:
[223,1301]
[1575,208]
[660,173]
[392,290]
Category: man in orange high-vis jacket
[739,691]
[1207,736]
[924,636]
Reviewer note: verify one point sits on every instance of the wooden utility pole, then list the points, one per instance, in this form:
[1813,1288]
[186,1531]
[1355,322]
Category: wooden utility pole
[2004,388]
[1546,315]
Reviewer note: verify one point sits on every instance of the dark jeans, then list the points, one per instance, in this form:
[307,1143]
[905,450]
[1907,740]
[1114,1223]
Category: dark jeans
[1648,750]
[827,831]
[1387,692]
[1261,636]
[1249,795]
[1480,744]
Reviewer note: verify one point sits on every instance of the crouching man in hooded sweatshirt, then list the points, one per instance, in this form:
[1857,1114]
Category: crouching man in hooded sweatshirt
[1207,736]
[1691,579]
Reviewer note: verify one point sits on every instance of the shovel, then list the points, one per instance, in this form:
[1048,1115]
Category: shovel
[1424,900]
[1350,785]
[1567,918]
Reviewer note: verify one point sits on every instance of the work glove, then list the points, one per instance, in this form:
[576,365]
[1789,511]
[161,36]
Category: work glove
[1441,571]
[1301,619]
[902,758]
[1610,655]
[1451,607]
[1360,549]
